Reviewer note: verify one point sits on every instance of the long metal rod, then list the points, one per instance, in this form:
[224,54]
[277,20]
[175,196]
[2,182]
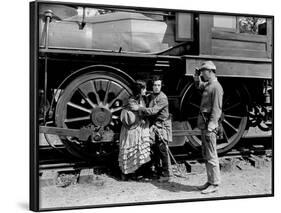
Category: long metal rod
[47,22]
[48,15]
[45,87]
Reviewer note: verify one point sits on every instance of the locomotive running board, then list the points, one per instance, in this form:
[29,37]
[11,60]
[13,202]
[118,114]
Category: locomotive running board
[84,134]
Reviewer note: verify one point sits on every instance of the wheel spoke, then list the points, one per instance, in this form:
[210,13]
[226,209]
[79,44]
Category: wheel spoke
[78,107]
[229,124]
[225,135]
[77,119]
[106,92]
[116,109]
[116,98]
[195,105]
[83,93]
[115,117]
[232,106]
[95,92]
[233,116]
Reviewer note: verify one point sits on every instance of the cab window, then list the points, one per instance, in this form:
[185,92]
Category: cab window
[240,24]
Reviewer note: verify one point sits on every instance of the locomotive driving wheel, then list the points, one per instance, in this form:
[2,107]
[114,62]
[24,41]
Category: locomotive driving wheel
[234,116]
[94,101]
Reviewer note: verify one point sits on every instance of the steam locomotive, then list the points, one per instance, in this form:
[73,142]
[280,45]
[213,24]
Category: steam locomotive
[90,55]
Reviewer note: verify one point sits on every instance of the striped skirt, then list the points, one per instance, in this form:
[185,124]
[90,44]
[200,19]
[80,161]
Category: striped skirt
[134,149]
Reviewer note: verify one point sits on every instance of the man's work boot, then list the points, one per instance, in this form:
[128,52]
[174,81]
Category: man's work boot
[210,189]
[204,186]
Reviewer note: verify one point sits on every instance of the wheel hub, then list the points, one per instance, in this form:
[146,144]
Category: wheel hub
[101,116]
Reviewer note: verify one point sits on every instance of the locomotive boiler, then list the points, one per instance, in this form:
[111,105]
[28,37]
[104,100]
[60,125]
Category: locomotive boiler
[90,55]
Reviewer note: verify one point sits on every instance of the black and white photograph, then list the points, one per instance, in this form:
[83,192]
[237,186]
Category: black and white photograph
[138,105]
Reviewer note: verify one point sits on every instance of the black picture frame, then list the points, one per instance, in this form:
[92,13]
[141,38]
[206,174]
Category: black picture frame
[35,108]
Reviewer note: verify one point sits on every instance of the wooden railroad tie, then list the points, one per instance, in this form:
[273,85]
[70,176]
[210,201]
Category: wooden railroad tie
[67,176]
[256,161]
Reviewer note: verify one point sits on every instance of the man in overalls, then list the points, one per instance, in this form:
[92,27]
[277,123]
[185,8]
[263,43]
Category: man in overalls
[208,122]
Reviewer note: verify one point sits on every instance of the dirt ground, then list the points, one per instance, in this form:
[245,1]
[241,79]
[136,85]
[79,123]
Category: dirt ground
[106,189]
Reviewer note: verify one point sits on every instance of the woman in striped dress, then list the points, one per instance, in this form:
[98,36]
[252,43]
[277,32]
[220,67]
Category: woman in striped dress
[134,148]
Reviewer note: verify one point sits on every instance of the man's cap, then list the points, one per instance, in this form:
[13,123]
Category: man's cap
[207,65]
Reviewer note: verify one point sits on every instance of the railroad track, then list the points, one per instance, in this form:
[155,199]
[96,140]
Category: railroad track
[248,146]
[65,169]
